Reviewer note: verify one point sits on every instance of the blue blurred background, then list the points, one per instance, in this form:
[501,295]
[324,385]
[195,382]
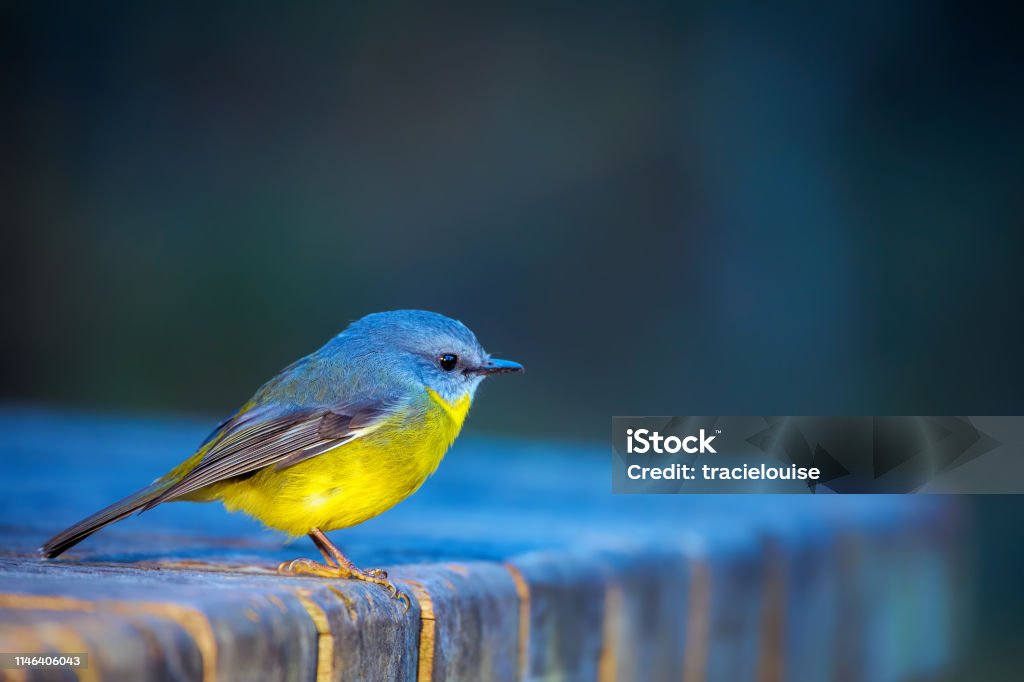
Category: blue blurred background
[657,208]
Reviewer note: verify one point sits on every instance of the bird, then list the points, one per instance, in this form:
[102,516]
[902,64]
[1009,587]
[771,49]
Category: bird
[334,439]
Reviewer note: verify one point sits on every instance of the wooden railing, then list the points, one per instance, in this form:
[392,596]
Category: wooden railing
[520,563]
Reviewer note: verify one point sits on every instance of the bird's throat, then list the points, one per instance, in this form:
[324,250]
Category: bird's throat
[456,410]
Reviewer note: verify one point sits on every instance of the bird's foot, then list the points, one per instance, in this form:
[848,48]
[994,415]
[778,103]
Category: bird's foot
[310,567]
[376,576]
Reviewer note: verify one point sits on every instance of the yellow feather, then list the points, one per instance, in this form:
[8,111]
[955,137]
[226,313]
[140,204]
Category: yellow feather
[353,482]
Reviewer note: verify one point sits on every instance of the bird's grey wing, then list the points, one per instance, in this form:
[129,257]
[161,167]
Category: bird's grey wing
[257,440]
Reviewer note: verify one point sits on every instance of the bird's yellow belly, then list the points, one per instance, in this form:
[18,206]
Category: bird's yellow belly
[354,482]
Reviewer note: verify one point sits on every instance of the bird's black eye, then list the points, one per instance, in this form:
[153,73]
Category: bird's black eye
[448,361]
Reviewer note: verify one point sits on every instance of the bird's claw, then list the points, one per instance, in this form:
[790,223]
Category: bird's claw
[379,576]
[308,567]
[376,576]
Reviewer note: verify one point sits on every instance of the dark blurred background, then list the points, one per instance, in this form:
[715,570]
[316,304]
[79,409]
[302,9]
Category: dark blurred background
[659,209]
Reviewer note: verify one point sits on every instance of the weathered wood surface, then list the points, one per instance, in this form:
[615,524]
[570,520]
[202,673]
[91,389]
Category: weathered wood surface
[519,561]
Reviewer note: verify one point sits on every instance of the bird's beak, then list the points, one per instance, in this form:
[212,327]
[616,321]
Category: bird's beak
[496,366]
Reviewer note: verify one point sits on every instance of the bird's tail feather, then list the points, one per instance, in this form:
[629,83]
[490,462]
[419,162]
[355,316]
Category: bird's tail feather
[70,537]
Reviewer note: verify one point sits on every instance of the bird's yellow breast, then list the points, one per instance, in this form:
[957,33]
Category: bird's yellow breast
[356,481]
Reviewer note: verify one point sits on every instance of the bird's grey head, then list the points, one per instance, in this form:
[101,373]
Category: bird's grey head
[441,353]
